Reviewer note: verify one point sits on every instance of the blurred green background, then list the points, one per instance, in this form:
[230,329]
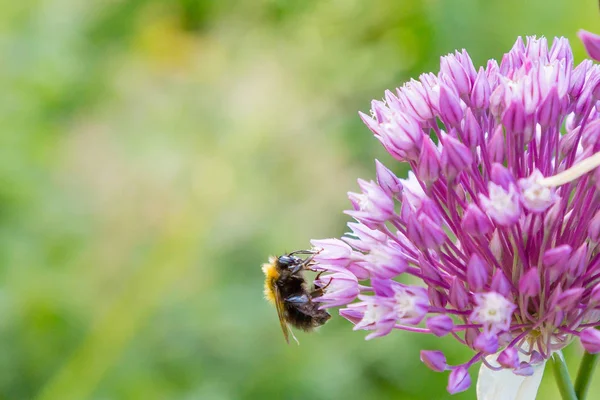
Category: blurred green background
[154,153]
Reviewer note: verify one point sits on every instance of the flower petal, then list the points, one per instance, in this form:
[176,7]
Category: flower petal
[591,42]
[505,385]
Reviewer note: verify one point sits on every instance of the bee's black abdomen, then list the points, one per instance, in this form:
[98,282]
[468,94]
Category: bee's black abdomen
[306,316]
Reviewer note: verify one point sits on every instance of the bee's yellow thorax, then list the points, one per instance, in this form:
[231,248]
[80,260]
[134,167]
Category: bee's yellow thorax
[271,275]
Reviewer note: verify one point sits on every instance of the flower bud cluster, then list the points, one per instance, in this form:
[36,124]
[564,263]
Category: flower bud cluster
[506,262]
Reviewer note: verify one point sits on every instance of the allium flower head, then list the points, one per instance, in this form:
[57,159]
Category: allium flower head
[498,222]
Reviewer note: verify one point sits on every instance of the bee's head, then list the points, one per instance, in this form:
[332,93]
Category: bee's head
[294,263]
[287,261]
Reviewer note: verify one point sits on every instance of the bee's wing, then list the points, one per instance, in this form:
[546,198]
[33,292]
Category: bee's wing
[280,313]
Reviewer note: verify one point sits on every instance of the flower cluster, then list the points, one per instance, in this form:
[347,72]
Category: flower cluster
[498,221]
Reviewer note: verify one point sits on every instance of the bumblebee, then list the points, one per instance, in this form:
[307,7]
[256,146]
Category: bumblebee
[286,287]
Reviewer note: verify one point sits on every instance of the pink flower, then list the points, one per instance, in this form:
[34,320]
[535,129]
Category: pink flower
[499,218]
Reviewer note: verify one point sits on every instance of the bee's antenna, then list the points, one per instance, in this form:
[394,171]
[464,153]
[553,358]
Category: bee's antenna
[312,252]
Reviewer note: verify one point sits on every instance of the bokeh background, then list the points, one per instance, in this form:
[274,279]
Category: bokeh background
[154,153]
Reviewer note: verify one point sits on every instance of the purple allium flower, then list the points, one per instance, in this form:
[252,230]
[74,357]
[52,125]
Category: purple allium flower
[499,219]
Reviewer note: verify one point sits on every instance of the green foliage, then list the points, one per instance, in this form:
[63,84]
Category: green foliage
[154,153]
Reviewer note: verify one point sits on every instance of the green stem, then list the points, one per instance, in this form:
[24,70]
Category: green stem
[561,374]
[586,369]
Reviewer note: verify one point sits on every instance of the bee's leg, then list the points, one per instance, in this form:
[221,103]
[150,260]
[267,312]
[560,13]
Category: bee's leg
[306,263]
[321,289]
[302,265]
[297,268]
[301,299]
[318,290]
[328,283]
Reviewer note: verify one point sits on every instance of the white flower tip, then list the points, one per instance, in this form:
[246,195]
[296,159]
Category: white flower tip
[575,172]
[505,385]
